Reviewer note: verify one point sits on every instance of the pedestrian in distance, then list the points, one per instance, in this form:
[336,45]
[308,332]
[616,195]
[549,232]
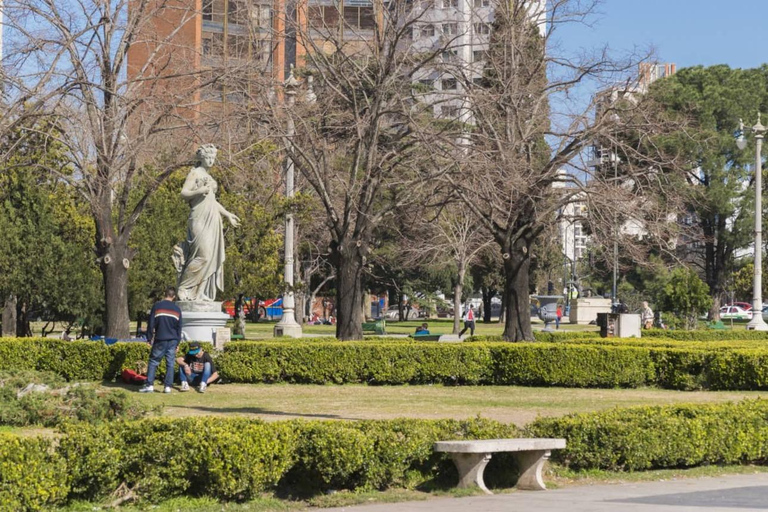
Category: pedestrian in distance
[163,335]
[647,316]
[558,316]
[469,321]
[196,368]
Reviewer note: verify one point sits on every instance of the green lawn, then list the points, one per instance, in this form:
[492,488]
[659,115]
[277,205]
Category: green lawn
[518,405]
[263,330]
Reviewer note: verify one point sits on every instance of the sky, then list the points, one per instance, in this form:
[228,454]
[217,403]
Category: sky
[684,32]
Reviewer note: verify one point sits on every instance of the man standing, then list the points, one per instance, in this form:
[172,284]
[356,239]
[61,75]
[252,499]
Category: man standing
[647,316]
[196,367]
[164,334]
[469,321]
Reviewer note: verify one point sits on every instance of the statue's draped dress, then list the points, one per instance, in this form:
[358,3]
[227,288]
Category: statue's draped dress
[203,271]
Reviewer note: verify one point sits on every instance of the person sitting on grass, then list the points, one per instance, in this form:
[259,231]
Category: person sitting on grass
[196,368]
[423,329]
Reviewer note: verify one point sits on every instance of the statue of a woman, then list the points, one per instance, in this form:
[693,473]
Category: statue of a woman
[199,259]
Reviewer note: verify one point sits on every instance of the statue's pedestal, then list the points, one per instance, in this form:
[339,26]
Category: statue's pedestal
[199,320]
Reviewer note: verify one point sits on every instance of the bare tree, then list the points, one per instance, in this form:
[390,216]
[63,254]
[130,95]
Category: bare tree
[452,237]
[521,123]
[125,90]
[358,147]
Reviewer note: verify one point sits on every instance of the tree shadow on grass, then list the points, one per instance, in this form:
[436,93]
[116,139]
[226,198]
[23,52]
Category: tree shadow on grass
[224,411]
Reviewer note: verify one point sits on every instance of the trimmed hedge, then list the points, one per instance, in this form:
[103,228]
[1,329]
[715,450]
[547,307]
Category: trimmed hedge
[228,458]
[678,436]
[530,364]
[74,360]
[237,458]
[721,365]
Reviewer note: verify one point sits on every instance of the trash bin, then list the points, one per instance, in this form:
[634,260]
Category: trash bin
[608,323]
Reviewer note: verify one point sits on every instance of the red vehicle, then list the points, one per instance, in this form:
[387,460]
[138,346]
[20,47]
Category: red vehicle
[746,306]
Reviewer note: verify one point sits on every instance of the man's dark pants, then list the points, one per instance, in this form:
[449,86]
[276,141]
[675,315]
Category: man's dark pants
[468,325]
[165,348]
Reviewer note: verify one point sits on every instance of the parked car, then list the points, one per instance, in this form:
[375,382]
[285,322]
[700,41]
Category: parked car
[735,313]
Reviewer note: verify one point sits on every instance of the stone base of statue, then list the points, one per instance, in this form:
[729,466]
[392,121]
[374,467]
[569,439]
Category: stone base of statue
[199,320]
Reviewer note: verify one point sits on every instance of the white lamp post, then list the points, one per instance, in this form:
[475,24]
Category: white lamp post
[288,326]
[757,323]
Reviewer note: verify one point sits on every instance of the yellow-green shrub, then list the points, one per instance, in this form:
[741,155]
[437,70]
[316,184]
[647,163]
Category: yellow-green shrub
[32,476]
[641,438]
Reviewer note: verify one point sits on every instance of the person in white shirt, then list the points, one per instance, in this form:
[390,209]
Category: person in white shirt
[469,321]
[646,316]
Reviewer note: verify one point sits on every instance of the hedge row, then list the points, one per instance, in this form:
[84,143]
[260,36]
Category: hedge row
[73,360]
[584,364]
[237,459]
[525,364]
[678,436]
[227,458]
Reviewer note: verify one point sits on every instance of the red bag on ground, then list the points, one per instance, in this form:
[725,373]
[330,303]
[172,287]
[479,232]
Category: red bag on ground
[131,377]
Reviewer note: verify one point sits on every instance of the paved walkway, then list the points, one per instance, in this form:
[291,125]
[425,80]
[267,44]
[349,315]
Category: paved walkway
[736,493]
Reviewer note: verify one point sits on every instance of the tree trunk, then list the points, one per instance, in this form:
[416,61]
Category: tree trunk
[487,306]
[23,328]
[9,317]
[400,307]
[349,291]
[457,289]
[517,321]
[114,270]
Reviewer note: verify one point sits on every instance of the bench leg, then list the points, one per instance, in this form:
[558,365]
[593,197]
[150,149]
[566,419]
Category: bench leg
[471,467]
[530,464]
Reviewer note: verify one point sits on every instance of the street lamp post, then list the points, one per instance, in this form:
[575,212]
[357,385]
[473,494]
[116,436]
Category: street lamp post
[288,326]
[757,323]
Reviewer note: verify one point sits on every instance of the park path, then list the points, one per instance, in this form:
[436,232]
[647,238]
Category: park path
[735,493]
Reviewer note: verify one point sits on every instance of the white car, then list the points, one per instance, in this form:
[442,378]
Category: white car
[735,313]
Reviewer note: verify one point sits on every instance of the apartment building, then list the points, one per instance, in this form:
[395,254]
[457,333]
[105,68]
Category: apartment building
[259,38]
[461,30]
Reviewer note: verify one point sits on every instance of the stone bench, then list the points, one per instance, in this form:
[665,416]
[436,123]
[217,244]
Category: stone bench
[471,457]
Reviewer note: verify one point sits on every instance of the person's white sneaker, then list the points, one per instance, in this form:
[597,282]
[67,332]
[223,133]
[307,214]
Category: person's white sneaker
[184,386]
[147,388]
[203,385]
[167,389]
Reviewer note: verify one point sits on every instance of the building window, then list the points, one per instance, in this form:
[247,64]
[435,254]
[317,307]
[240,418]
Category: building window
[428,82]
[359,18]
[482,3]
[478,81]
[449,56]
[427,30]
[322,16]
[449,84]
[450,4]
[237,12]
[482,28]
[261,16]
[478,56]
[450,111]
[450,29]
[208,10]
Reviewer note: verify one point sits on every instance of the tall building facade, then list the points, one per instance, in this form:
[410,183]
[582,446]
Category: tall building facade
[461,30]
